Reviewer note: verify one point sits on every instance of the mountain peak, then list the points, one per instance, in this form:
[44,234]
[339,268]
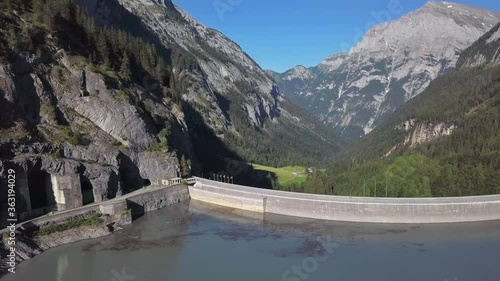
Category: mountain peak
[432,26]
[460,13]
[300,67]
[439,4]
[298,72]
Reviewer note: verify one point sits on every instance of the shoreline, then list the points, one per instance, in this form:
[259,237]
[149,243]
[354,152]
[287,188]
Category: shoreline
[115,214]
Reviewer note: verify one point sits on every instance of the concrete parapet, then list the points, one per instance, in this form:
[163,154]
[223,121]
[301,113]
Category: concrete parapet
[113,208]
[230,198]
[353,209]
[160,198]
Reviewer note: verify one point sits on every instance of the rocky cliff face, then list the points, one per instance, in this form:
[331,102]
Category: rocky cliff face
[393,63]
[423,133]
[223,63]
[485,51]
[61,143]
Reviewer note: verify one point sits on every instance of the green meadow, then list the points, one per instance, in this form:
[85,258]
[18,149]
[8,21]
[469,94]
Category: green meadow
[290,175]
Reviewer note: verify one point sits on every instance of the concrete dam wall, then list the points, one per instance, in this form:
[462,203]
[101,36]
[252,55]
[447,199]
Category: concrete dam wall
[352,209]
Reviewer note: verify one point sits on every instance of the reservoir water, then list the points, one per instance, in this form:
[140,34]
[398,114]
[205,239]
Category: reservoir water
[194,241]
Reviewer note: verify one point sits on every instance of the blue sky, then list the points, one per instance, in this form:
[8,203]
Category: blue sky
[279,34]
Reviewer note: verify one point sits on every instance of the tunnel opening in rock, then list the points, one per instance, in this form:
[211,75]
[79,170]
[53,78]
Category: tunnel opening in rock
[130,177]
[41,193]
[146,182]
[114,188]
[87,191]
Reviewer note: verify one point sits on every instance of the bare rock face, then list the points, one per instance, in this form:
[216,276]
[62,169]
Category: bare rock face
[485,51]
[223,64]
[424,133]
[394,62]
[157,166]
[113,115]
[69,150]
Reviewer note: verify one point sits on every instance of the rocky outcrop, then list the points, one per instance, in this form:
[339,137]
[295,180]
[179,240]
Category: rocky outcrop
[394,62]
[225,63]
[416,133]
[118,118]
[222,61]
[423,133]
[155,166]
[62,181]
[69,150]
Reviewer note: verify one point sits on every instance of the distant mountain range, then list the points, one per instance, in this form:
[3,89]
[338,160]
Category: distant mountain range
[394,62]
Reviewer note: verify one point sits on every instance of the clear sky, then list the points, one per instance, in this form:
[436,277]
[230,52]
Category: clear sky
[279,34]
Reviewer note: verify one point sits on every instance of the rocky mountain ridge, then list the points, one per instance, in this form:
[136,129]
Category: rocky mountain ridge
[355,91]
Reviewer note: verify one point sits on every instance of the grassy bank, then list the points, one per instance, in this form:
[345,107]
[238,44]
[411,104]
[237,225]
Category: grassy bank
[53,228]
[287,176]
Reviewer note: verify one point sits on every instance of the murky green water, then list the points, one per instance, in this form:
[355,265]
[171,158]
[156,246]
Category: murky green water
[194,242]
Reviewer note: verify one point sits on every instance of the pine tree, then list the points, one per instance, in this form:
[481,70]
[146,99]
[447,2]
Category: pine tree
[12,36]
[161,71]
[37,10]
[185,169]
[125,72]
[122,39]
[103,49]
[93,58]
[65,9]
[144,59]
[8,5]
